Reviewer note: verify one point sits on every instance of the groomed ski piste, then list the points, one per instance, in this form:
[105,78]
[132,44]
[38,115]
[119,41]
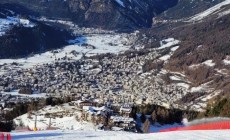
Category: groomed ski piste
[203,129]
[112,135]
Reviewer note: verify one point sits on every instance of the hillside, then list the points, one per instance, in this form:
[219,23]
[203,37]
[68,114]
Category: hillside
[187,8]
[107,14]
[21,36]
[203,52]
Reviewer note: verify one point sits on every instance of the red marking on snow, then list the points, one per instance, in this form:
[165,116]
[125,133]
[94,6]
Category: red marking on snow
[2,136]
[206,126]
[8,137]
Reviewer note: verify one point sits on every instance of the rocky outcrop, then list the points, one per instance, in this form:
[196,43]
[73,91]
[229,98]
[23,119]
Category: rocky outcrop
[107,14]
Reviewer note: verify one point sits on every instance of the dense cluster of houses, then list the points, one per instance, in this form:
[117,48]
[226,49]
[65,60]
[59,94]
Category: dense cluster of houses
[116,78]
[111,80]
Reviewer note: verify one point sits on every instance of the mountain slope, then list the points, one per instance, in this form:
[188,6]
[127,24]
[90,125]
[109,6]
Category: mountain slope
[219,10]
[107,14]
[187,8]
[203,54]
[21,41]
[20,36]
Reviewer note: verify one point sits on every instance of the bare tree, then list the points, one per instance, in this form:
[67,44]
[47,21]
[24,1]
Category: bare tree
[146,126]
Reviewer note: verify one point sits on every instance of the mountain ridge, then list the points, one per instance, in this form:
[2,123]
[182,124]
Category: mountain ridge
[107,14]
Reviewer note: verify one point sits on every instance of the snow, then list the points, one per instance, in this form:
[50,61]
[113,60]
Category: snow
[157,127]
[178,73]
[183,85]
[165,57]
[2,72]
[43,58]
[120,2]
[117,129]
[107,43]
[26,23]
[176,78]
[197,89]
[7,23]
[174,48]
[224,13]
[168,43]
[209,63]
[226,62]
[62,117]
[120,118]
[194,66]
[222,71]
[15,93]
[201,88]
[207,120]
[209,11]
[210,96]
[103,43]
[118,135]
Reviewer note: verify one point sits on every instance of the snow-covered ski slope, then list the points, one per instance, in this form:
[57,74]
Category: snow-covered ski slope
[112,135]
[217,9]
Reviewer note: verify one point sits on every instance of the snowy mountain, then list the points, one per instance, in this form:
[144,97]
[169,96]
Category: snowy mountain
[107,14]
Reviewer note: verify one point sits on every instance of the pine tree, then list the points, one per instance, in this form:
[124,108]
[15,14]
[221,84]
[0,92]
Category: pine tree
[154,116]
[133,113]
[143,118]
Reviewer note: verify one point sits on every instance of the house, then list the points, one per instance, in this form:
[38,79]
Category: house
[86,103]
[97,115]
[122,122]
[125,110]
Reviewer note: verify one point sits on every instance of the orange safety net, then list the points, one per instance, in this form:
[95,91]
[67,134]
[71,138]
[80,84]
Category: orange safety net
[205,126]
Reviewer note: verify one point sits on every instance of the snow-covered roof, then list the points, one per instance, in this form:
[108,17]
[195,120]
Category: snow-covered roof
[121,119]
[126,108]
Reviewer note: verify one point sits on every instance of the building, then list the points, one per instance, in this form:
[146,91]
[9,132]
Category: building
[86,103]
[122,122]
[125,110]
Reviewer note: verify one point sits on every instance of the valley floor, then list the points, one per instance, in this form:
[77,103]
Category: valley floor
[109,135]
